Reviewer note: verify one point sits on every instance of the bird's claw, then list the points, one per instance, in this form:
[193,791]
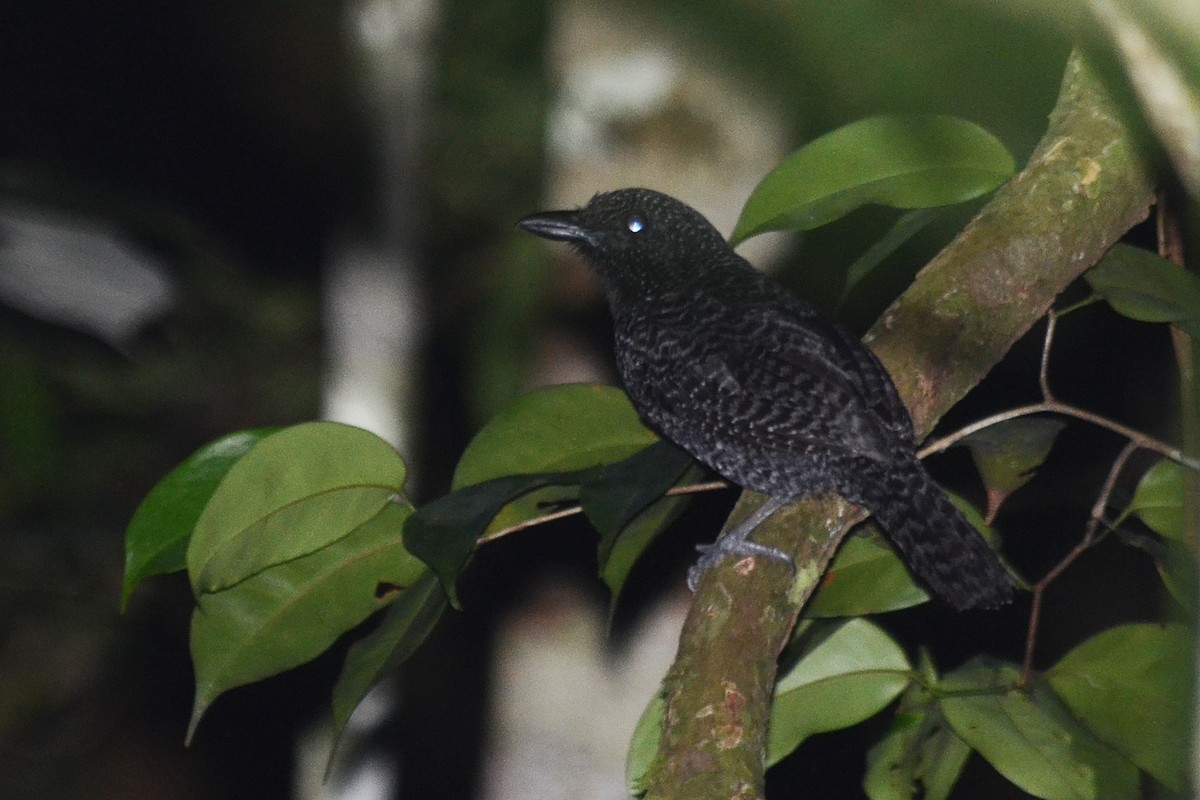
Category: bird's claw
[712,554]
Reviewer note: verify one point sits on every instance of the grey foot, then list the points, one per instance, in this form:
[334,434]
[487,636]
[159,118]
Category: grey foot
[712,554]
[737,543]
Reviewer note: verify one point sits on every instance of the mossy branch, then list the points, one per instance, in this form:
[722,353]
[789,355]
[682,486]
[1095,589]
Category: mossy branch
[1083,188]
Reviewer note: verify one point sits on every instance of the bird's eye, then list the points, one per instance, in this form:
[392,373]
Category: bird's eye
[635,224]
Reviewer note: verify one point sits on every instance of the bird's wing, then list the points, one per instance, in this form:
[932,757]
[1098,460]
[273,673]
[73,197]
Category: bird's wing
[801,334]
[762,381]
[807,399]
[801,339]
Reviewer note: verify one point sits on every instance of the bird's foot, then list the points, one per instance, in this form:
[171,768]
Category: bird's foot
[732,545]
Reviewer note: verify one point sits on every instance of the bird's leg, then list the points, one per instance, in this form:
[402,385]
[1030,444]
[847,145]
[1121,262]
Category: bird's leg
[737,543]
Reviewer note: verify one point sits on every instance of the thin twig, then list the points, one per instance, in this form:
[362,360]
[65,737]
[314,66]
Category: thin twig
[561,513]
[1057,407]
[1050,404]
[946,442]
[1071,308]
[1044,368]
[1135,440]
[1090,536]
[697,488]
[572,510]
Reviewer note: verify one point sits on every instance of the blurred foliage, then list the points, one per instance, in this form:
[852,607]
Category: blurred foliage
[485,168]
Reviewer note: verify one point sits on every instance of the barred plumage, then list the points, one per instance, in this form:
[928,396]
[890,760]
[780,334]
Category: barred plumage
[760,387]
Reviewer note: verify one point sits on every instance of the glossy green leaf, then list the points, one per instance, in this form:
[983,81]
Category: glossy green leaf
[625,503]
[903,161]
[156,540]
[287,614]
[297,491]
[850,675]
[404,627]
[866,577]
[1177,568]
[1030,737]
[556,429]
[643,746]
[622,490]
[635,537]
[1126,684]
[919,757]
[1158,499]
[443,532]
[1143,286]
[1008,454]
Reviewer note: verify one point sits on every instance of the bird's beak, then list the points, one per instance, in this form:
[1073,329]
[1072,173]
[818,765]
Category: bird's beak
[562,226]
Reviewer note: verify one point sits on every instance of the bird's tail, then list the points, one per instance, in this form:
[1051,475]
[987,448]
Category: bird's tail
[936,540]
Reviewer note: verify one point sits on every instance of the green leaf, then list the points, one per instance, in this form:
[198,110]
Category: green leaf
[621,491]
[625,503]
[404,627]
[847,677]
[287,614]
[531,456]
[866,577]
[1126,684]
[1008,454]
[1030,737]
[1158,499]
[920,756]
[556,429]
[1177,568]
[635,537]
[902,161]
[297,491]
[643,746]
[1142,286]
[443,533]
[1159,502]
[157,538]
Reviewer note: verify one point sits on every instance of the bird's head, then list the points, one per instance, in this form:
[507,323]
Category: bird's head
[640,242]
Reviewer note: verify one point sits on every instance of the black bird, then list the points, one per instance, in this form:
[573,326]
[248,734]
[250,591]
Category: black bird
[762,388]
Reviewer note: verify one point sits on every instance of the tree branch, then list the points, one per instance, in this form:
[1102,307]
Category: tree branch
[1082,189]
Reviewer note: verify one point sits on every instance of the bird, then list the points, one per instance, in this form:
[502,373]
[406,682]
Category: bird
[763,389]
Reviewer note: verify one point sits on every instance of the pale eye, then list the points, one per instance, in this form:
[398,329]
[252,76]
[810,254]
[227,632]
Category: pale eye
[635,224]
